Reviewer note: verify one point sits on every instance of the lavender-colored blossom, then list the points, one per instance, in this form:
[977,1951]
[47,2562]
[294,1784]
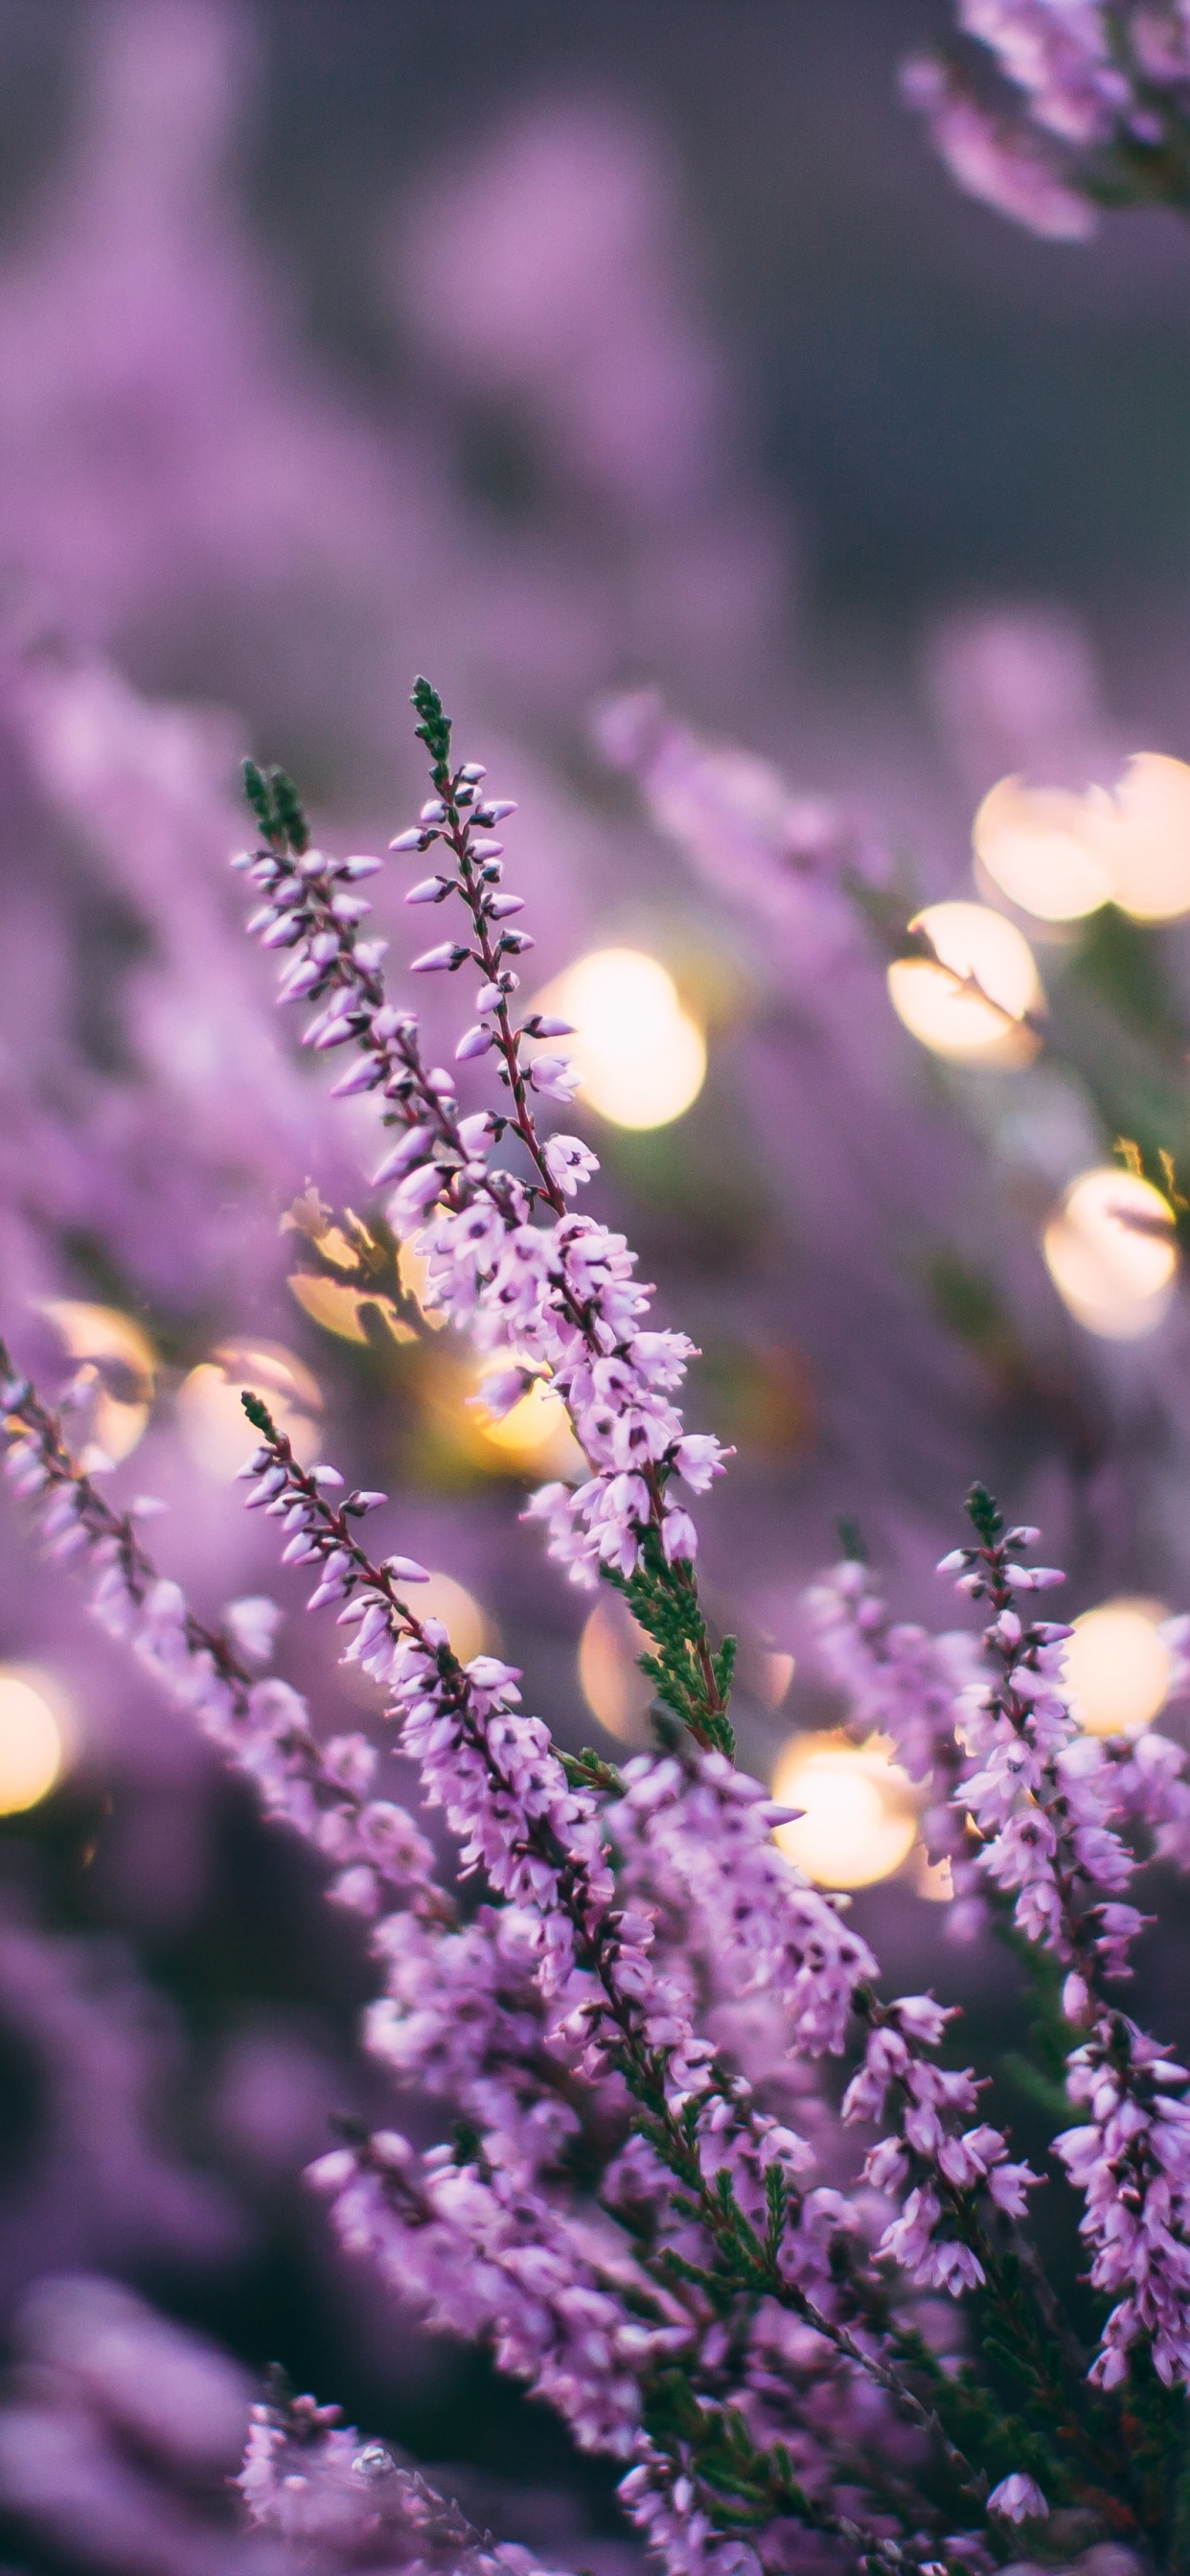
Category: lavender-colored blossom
[991,161]
[626,2217]
[1019,2499]
[562,1297]
[905,1684]
[1051,1836]
[309,2478]
[260,1724]
[1060,56]
[1130,2157]
[1102,89]
[700,1834]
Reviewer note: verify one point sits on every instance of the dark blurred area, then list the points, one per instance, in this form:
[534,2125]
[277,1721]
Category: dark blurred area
[937,401]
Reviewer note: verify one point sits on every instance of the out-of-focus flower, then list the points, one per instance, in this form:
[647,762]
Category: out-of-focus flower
[991,160]
[93,2182]
[167,2388]
[1100,98]
[1112,1253]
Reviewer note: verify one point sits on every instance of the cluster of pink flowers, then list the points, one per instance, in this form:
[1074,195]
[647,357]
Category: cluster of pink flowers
[696,1834]
[903,1683]
[257,1721]
[1047,1805]
[1130,2157]
[1102,94]
[1060,57]
[1043,1797]
[557,1301]
[646,2205]
[1050,1807]
[307,2477]
[929,2146]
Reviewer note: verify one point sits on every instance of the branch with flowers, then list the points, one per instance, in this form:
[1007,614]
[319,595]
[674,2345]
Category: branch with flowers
[1051,110]
[622,2208]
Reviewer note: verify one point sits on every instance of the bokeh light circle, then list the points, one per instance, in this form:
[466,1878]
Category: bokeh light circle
[535,1434]
[640,1058]
[860,1820]
[211,1415]
[31,1745]
[444,1598]
[615,1689]
[970,1000]
[117,1355]
[1046,848]
[1118,1667]
[1111,1253]
[1150,843]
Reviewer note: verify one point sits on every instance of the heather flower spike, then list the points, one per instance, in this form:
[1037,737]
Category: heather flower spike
[640,2194]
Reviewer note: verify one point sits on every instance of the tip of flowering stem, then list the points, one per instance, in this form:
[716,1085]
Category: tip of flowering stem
[290,811]
[986,1518]
[588,1770]
[851,1540]
[433,727]
[259,797]
[258,1415]
[277,806]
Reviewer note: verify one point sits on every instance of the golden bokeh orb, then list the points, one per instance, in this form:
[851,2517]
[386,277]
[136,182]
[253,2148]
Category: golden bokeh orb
[931,1879]
[414,1270]
[972,1000]
[1060,855]
[1046,848]
[860,1819]
[1118,1667]
[1150,845]
[640,1057]
[444,1598]
[343,1309]
[214,1425]
[116,1354]
[32,1750]
[1112,1254]
[534,1435]
[615,1689]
